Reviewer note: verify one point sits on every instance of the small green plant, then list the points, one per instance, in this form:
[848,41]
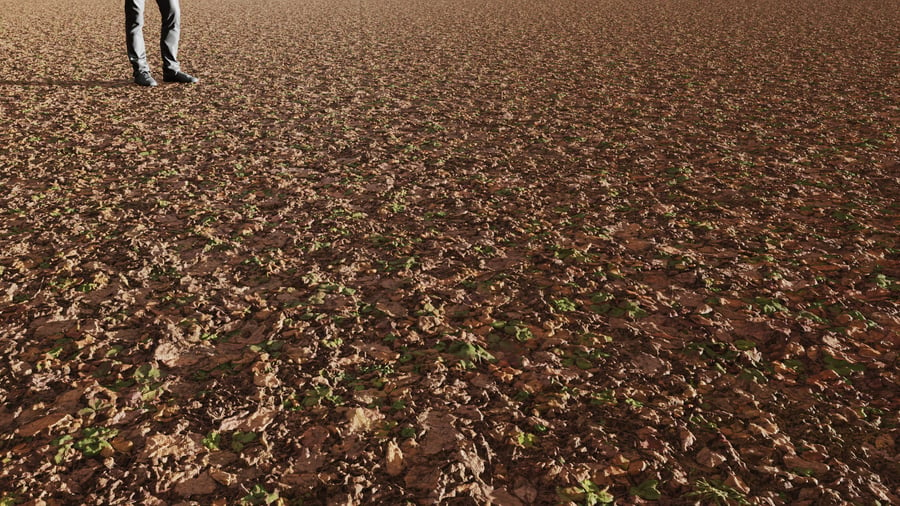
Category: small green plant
[770,306]
[584,358]
[146,374]
[212,440]
[270,346]
[564,305]
[315,396]
[586,493]
[93,442]
[716,492]
[630,309]
[604,303]
[882,281]
[259,495]
[469,354]
[333,344]
[604,397]
[812,317]
[842,367]
[94,406]
[240,439]
[679,174]
[517,330]
[60,346]
[87,287]
[400,264]
[526,439]
[646,490]
[209,336]
[11,499]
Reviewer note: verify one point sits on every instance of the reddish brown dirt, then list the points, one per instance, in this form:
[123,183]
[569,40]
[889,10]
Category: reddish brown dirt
[452,251]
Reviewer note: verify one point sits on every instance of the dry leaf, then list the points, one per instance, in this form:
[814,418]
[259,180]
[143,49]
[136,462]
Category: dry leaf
[362,419]
[796,463]
[709,458]
[199,486]
[46,422]
[159,446]
[394,459]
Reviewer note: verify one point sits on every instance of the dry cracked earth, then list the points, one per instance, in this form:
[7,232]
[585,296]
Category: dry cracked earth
[452,252]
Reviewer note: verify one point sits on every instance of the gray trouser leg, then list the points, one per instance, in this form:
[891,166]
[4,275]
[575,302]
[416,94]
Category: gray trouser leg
[134,35]
[170,12]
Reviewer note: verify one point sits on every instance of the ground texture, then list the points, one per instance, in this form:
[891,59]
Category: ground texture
[452,251]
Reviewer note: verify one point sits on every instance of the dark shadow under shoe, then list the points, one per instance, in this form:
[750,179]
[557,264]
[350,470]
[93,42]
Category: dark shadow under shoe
[144,78]
[179,77]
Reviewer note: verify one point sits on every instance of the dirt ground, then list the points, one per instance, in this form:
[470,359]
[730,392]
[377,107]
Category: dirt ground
[452,252]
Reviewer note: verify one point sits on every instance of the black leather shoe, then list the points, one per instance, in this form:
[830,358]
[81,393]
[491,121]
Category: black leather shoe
[179,77]
[144,78]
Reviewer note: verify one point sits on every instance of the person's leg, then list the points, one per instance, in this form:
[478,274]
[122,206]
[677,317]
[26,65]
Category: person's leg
[170,11]
[134,35]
